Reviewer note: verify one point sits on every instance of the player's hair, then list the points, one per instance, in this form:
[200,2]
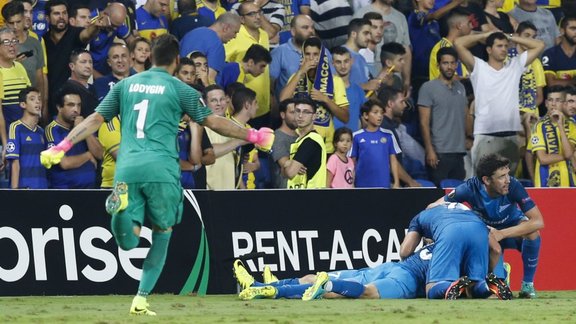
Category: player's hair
[525,25]
[187,6]
[196,54]
[305,101]
[373,16]
[183,62]
[22,96]
[114,45]
[164,50]
[387,94]
[12,9]
[232,88]
[313,42]
[77,52]
[228,18]
[565,20]
[75,7]
[209,88]
[493,37]
[28,1]
[571,90]
[257,53]
[489,163]
[54,3]
[241,97]
[339,50]
[132,45]
[367,106]
[556,89]
[64,91]
[283,105]
[454,16]
[339,132]
[446,51]
[356,24]
[389,51]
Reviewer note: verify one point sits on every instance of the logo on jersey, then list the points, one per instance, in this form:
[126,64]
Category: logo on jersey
[10,147]
[425,254]
[383,140]
[534,140]
[504,207]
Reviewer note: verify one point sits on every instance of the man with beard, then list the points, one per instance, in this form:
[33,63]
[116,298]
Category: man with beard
[503,204]
[286,57]
[151,18]
[495,84]
[359,35]
[560,61]
[377,32]
[119,62]
[61,40]
[442,106]
[343,62]
[285,135]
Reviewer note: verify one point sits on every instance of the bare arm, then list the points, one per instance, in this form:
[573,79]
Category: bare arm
[535,222]
[3,138]
[409,244]
[406,178]
[208,156]
[15,174]
[75,161]
[329,178]
[552,80]
[339,112]
[195,156]
[86,128]
[211,76]
[394,165]
[441,12]
[291,168]
[535,47]
[94,145]
[226,128]
[463,45]
[290,87]
[431,157]
[407,69]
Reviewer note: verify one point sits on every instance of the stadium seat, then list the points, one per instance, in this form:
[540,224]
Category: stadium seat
[450,183]
[527,183]
[426,183]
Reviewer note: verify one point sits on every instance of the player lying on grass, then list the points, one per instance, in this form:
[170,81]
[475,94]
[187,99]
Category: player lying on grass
[460,258]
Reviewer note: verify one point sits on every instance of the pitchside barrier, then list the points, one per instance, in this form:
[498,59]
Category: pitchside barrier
[58,242]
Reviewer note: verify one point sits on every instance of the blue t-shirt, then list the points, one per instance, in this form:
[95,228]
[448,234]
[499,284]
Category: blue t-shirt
[360,71]
[372,152]
[100,45]
[104,84]
[25,144]
[205,40]
[187,22]
[417,264]
[186,177]
[285,62]
[500,212]
[229,74]
[39,18]
[356,98]
[83,177]
[431,223]
[423,36]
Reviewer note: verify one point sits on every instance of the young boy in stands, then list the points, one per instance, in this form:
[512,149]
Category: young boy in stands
[25,142]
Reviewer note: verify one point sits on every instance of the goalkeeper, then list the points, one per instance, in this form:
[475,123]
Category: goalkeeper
[147,180]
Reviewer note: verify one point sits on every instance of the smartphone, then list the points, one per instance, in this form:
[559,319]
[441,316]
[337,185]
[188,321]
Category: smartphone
[27,53]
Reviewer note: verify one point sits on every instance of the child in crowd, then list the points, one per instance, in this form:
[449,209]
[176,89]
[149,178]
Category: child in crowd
[340,167]
[140,54]
[25,142]
[374,150]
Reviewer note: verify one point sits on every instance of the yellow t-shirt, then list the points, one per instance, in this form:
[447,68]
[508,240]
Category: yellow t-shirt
[109,137]
[235,51]
[433,66]
[221,174]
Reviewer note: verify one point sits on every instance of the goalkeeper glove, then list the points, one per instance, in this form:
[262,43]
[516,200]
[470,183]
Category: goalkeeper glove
[53,155]
[262,138]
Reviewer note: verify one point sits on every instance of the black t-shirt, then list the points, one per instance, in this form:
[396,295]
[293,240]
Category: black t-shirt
[187,22]
[58,55]
[310,155]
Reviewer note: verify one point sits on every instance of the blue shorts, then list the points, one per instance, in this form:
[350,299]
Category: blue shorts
[461,249]
[390,279]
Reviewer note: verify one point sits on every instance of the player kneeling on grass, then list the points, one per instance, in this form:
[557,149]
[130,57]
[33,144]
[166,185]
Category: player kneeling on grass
[150,105]
[460,259]
[400,280]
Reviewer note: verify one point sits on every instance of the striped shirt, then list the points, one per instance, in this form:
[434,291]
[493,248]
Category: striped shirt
[14,79]
[25,144]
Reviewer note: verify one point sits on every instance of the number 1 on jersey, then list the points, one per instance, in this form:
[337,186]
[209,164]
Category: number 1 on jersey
[142,108]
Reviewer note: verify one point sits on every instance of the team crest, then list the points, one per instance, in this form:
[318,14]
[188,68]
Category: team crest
[383,140]
[534,140]
[10,147]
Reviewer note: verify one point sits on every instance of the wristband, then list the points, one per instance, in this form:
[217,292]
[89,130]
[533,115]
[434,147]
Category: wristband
[65,145]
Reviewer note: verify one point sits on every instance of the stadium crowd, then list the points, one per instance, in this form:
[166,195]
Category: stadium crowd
[360,93]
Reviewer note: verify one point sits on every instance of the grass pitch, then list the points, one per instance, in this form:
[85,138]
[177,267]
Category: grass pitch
[551,307]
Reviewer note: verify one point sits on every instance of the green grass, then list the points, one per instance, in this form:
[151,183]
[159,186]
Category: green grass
[551,307]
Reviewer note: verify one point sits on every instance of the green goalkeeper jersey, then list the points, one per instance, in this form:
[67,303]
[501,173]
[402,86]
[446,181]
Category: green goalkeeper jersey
[150,105]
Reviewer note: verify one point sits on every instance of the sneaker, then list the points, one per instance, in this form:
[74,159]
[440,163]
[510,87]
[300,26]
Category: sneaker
[140,307]
[257,293]
[244,278]
[457,288]
[527,290]
[118,199]
[508,269]
[498,287]
[316,291]
[267,276]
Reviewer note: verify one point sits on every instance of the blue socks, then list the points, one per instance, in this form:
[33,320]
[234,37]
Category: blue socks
[345,288]
[291,291]
[438,291]
[530,253]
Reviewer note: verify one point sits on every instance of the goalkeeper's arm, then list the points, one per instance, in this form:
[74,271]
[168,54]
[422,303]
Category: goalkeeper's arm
[86,128]
[262,138]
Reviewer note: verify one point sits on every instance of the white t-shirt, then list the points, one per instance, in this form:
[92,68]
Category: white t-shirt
[496,95]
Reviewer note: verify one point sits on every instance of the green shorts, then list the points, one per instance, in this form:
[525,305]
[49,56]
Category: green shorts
[162,202]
